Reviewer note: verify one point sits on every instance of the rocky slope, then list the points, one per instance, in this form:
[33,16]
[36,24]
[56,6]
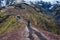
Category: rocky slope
[25,23]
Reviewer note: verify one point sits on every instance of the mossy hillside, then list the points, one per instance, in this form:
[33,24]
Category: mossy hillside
[8,24]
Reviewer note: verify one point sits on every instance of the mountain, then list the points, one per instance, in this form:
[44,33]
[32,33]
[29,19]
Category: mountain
[28,22]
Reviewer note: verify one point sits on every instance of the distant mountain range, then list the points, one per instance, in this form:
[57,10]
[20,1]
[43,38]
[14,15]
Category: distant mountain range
[11,2]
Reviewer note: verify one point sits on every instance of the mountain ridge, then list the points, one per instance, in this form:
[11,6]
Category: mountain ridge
[39,20]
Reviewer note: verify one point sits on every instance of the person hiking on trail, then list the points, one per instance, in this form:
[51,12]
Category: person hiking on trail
[30,30]
[28,22]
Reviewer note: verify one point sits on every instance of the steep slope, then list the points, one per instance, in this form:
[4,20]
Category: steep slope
[38,19]
[14,27]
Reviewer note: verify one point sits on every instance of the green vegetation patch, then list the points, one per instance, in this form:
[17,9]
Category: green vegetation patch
[9,23]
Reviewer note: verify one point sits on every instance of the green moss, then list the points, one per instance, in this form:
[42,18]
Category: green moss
[8,24]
